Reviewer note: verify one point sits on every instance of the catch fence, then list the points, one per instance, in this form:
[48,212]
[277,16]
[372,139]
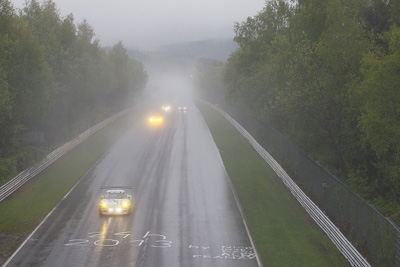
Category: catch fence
[374,235]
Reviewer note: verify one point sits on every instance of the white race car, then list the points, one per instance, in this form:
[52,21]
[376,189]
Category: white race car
[166,108]
[115,201]
[182,108]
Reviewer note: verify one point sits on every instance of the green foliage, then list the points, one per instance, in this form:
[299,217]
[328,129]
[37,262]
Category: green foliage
[326,75]
[6,101]
[378,98]
[55,79]
[8,167]
[5,109]
[23,90]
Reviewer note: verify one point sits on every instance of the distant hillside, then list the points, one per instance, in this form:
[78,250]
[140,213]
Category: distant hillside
[217,49]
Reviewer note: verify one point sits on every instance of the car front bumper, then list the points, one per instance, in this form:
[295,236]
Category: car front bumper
[114,211]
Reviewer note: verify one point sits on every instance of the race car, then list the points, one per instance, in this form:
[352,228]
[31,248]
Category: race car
[115,201]
[182,108]
[155,119]
[166,108]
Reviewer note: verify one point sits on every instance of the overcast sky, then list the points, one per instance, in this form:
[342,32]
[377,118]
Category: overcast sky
[149,23]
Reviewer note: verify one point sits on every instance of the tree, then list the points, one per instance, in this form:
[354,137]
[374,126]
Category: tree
[6,21]
[85,32]
[251,76]
[379,95]
[321,74]
[23,88]
[119,60]
[55,78]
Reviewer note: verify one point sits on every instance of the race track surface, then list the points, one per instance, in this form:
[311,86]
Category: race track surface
[185,213]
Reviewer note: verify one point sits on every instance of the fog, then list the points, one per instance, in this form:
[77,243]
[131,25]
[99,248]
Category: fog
[147,24]
[170,81]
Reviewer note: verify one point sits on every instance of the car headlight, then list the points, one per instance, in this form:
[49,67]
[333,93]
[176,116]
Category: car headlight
[155,119]
[103,204]
[126,204]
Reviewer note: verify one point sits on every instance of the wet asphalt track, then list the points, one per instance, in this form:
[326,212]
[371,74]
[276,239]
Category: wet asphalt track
[185,213]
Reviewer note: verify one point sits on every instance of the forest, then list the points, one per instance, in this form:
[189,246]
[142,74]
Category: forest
[325,74]
[55,82]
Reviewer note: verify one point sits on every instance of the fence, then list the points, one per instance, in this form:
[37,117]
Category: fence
[375,236]
[15,183]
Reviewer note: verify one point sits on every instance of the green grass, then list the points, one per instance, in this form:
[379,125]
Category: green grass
[22,212]
[283,233]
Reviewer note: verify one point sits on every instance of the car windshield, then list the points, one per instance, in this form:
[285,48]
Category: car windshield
[114,195]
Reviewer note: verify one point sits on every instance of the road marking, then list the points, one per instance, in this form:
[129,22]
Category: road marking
[164,244]
[140,242]
[150,240]
[227,252]
[124,234]
[77,242]
[93,234]
[102,242]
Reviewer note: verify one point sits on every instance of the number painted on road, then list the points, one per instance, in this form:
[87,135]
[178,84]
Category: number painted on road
[106,242]
[227,252]
[150,240]
[124,234]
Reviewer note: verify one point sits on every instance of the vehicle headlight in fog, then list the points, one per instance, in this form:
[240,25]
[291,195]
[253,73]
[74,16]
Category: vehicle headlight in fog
[166,108]
[155,119]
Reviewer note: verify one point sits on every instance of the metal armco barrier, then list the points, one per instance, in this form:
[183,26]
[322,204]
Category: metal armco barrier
[15,183]
[376,237]
[345,247]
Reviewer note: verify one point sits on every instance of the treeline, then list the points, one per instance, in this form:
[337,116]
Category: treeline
[326,74]
[55,82]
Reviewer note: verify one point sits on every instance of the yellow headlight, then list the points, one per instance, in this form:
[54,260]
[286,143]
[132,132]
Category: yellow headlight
[103,204]
[155,119]
[126,204]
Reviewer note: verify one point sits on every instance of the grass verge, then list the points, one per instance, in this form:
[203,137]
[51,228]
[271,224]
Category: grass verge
[22,212]
[283,233]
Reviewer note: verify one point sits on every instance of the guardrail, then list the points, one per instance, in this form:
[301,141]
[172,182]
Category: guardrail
[15,183]
[341,242]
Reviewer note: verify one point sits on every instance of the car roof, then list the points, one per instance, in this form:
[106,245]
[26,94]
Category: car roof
[115,191]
